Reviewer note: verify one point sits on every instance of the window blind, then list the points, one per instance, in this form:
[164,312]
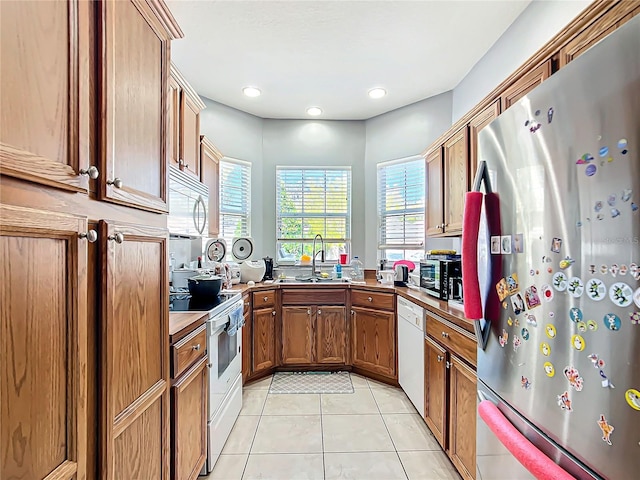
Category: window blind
[309,201]
[235,199]
[401,204]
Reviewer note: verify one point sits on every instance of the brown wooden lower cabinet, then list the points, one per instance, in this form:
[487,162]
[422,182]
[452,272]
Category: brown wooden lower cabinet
[264,339]
[450,405]
[189,422]
[373,340]
[314,335]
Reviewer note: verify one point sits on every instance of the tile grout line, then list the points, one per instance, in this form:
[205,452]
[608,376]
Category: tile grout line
[324,470]
[256,432]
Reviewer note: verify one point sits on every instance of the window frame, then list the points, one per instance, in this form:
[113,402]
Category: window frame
[245,189]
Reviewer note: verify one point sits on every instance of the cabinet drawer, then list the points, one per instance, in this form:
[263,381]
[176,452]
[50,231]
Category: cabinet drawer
[266,298]
[334,296]
[361,298]
[453,338]
[185,352]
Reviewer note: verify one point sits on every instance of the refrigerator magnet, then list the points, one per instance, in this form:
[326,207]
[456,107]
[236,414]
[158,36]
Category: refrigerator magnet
[592,325]
[596,289]
[575,287]
[501,288]
[556,245]
[495,244]
[632,396]
[634,318]
[612,321]
[582,327]
[516,343]
[550,330]
[525,383]
[505,244]
[615,213]
[531,319]
[634,207]
[578,342]
[611,199]
[584,159]
[636,297]
[504,338]
[560,281]
[510,321]
[604,151]
[517,303]
[518,243]
[613,269]
[590,171]
[550,115]
[621,294]
[545,349]
[598,206]
[592,269]
[548,369]
[607,429]
[531,297]
[623,270]
[626,195]
[564,402]
[525,333]
[512,283]
[604,269]
[573,375]
[575,314]
[566,262]
[547,292]
[622,145]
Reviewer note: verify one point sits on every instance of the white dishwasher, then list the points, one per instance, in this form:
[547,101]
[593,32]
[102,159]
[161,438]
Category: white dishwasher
[411,351]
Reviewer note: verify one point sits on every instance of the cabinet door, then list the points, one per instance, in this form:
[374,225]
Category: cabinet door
[435,194]
[189,422]
[456,180]
[435,381]
[477,123]
[190,135]
[527,83]
[331,335]
[40,119]
[264,339]
[135,76]
[135,352]
[462,417]
[43,320]
[598,30]
[174,122]
[373,341]
[210,158]
[298,335]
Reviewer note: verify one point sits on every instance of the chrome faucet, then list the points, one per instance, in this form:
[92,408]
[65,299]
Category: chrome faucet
[313,260]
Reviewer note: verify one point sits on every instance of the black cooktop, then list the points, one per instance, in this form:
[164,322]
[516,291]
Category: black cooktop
[183,302]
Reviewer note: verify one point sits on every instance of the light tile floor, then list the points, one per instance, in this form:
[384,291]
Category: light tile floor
[373,434]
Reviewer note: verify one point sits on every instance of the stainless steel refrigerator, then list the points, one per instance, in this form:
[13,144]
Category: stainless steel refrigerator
[559,263]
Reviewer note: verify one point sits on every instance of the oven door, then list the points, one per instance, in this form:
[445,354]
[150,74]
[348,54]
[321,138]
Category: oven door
[225,364]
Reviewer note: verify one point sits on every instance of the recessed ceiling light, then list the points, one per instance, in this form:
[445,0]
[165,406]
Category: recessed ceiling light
[377,92]
[251,91]
[314,111]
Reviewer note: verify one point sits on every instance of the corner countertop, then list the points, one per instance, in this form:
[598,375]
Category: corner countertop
[181,323]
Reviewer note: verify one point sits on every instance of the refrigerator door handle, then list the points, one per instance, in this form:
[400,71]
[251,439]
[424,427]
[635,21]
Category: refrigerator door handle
[536,462]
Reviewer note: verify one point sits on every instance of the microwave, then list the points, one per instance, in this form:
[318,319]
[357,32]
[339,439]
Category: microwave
[435,276]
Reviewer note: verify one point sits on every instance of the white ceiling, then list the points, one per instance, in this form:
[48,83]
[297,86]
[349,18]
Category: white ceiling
[330,53]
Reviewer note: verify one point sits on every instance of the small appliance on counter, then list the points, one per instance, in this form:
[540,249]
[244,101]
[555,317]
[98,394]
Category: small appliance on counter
[234,268]
[435,272]
[402,275]
[268,268]
[252,271]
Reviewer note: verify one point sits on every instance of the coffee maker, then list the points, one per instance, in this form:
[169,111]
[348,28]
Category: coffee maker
[268,272]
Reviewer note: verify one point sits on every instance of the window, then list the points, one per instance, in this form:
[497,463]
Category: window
[401,196]
[235,199]
[312,200]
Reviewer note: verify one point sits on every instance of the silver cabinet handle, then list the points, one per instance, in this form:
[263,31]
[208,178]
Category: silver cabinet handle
[449,364]
[91,236]
[370,299]
[116,182]
[265,298]
[440,358]
[118,237]
[92,172]
[309,312]
[273,313]
[210,365]
[319,312]
[352,312]
[196,347]
[246,304]
[445,335]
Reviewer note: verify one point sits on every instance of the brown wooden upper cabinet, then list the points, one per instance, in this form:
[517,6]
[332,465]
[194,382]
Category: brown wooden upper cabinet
[185,124]
[44,93]
[524,85]
[134,432]
[43,371]
[134,52]
[210,157]
[456,180]
[603,26]
[435,193]
[476,124]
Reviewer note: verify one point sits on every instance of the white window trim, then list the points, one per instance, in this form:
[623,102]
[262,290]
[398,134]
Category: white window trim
[246,214]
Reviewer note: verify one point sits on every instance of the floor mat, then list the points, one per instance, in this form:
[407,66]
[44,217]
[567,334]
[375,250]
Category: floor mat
[311,382]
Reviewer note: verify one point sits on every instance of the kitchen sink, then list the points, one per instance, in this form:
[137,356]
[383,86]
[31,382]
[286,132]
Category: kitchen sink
[309,279]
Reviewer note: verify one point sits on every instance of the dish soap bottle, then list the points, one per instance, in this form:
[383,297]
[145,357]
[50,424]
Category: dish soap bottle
[357,272]
[338,271]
